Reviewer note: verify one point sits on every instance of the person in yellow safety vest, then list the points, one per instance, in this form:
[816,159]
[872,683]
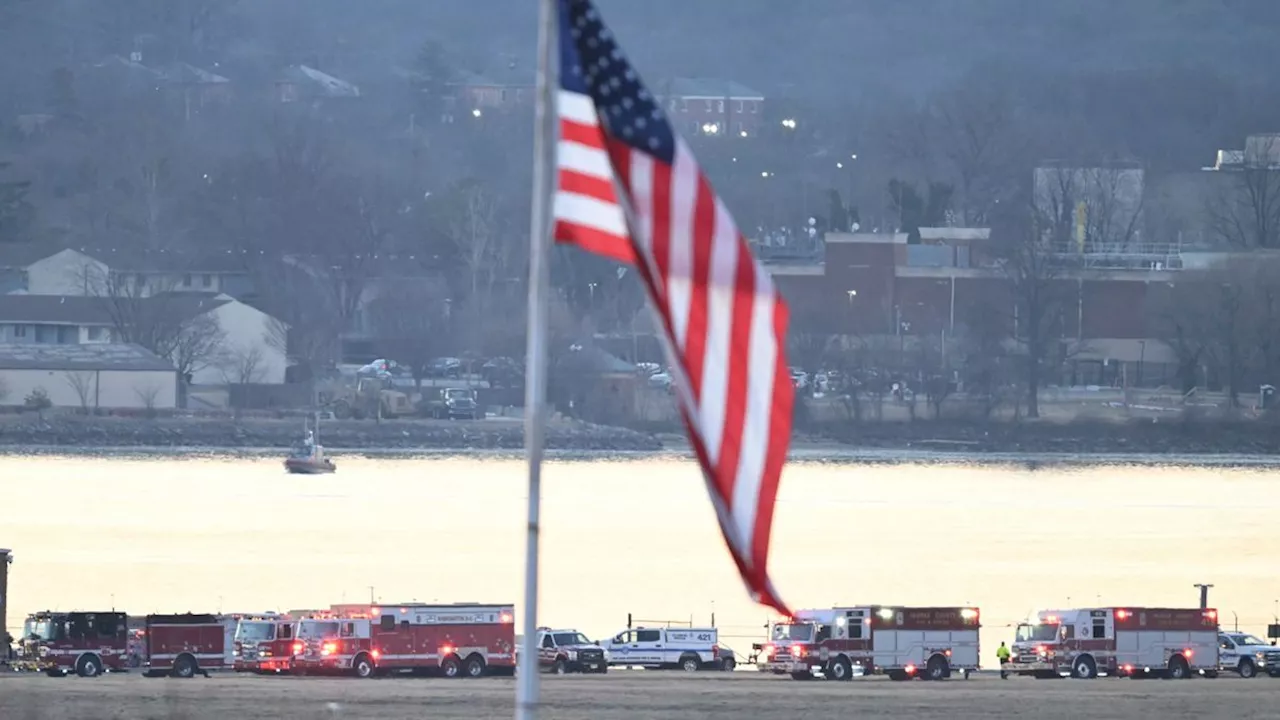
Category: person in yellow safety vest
[1002,653]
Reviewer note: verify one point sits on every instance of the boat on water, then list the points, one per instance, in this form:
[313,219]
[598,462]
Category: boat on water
[308,458]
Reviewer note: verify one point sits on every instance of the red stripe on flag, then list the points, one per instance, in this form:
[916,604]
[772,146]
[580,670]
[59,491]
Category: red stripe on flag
[735,416]
[779,438]
[575,182]
[702,240]
[595,241]
[588,135]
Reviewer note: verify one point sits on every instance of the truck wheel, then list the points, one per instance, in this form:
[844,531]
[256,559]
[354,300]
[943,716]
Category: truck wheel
[937,668]
[839,669]
[690,663]
[184,667]
[1084,668]
[1247,669]
[728,664]
[474,667]
[450,668]
[89,666]
[561,667]
[363,666]
[1178,669]
[802,675]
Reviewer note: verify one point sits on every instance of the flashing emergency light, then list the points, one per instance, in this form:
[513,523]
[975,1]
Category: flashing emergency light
[446,649]
[1122,614]
[797,651]
[885,614]
[297,648]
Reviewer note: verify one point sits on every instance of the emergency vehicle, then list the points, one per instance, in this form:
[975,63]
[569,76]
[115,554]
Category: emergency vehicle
[1247,655]
[1118,641]
[187,644]
[456,640]
[568,651]
[901,642]
[86,643]
[263,643]
[689,649]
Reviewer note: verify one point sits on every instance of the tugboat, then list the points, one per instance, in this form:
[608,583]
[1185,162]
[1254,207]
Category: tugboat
[307,457]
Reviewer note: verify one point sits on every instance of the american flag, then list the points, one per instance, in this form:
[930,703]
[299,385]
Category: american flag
[725,324]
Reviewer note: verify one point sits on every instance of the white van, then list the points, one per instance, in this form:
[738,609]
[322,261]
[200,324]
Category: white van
[688,649]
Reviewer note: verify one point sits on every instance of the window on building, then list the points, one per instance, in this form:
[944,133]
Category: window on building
[206,280]
[738,105]
[710,106]
[97,334]
[753,106]
[46,333]
[720,106]
[19,331]
[186,281]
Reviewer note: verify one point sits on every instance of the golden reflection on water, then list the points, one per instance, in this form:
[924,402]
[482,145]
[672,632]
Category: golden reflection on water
[631,536]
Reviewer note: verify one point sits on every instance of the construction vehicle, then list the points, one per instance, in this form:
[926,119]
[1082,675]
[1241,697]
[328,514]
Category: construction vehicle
[454,404]
[364,397]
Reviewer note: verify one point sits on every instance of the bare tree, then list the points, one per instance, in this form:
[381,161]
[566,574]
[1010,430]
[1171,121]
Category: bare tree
[146,312]
[1092,208]
[82,382]
[149,394]
[1038,297]
[241,365]
[1246,210]
[410,319]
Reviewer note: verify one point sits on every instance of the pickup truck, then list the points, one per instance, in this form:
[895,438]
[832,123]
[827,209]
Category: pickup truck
[569,651]
[1247,655]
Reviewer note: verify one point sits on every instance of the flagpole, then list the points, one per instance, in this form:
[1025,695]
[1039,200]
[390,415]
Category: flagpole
[535,391]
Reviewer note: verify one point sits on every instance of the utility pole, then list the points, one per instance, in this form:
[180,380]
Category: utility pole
[1204,594]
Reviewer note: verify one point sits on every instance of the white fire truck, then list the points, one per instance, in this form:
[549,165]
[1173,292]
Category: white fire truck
[456,640]
[901,642]
[1117,641]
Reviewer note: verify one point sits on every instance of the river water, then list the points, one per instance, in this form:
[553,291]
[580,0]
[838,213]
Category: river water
[638,536]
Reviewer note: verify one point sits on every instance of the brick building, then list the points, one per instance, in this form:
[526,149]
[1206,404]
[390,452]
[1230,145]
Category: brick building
[877,284]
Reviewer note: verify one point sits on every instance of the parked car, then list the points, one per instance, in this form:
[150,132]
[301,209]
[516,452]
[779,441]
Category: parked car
[502,372]
[445,367]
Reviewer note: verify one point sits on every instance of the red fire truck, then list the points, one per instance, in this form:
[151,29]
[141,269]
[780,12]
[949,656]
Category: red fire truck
[1117,641]
[457,640]
[184,645]
[263,643]
[86,643]
[901,642]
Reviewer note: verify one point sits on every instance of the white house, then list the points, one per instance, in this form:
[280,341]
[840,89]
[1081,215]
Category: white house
[40,270]
[239,343]
[102,376]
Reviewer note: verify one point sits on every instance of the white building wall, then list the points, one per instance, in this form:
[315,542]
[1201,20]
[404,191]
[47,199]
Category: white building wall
[109,389]
[64,273]
[248,334]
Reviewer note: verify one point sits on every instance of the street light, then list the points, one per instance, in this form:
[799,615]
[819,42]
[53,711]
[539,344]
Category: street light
[789,123]
[710,128]
[476,113]
[852,295]
[743,133]
[765,174]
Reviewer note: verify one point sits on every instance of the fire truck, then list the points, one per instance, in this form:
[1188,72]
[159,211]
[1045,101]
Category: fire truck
[1118,641]
[263,643]
[186,645]
[900,642]
[86,643]
[456,640]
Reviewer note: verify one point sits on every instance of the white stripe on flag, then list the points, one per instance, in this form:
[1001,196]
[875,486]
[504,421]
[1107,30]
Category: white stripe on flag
[576,107]
[590,212]
[684,196]
[713,405]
